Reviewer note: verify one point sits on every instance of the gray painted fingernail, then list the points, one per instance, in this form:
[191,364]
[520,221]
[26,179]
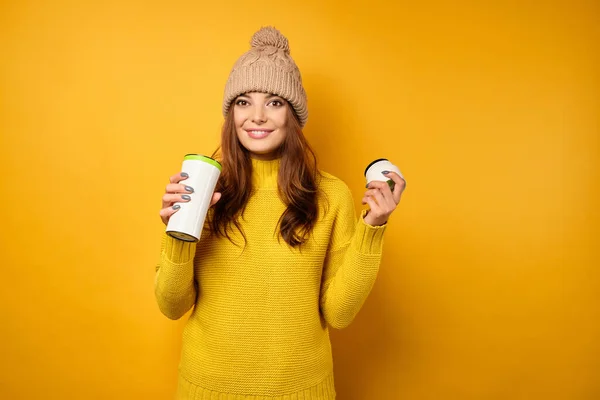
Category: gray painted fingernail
[385,172]
[189,189]
[176,207]
[185,197]
[185,175]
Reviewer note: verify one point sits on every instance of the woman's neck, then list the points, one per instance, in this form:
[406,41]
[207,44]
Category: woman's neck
[265,172]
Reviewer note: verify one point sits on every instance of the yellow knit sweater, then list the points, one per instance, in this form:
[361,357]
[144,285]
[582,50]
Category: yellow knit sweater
[259,327]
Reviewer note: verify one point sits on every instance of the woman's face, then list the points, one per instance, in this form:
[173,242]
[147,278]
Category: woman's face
[261,123]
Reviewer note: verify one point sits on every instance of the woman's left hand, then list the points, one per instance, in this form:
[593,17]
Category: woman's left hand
[382,200]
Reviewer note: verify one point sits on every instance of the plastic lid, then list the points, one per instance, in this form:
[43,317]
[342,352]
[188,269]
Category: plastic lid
[206,159]
[376,161]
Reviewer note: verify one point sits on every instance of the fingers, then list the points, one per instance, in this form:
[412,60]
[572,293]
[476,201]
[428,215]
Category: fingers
[400,185]
[176,192]
[381,200]
[377,195]
[171,198]
[376,215]
[178,188]
[169,208]
[216,196]
[178,177]
[377,189]
[166,213]
[372,204]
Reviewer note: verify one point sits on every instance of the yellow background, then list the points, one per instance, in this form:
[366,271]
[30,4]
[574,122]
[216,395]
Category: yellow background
[489,287]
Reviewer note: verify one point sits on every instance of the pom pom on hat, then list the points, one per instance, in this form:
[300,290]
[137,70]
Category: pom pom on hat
[269,36]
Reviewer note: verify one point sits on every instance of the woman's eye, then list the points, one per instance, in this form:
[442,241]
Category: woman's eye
[241,102]
[277,103]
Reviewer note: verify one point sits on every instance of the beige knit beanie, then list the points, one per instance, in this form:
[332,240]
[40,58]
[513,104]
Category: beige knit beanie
[267,68]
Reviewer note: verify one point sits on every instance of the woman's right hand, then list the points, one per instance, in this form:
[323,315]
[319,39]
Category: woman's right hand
[176,192]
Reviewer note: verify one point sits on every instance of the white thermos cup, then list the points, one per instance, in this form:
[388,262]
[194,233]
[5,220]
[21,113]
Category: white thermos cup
[373,172]
[186,224]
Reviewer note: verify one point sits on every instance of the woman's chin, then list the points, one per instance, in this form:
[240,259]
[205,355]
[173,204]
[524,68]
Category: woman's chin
[261,154]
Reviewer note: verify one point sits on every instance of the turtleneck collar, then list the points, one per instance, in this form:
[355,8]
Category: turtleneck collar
[264,173]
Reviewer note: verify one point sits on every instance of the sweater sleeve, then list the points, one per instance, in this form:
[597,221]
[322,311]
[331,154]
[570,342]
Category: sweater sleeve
[351,264]
[174,285]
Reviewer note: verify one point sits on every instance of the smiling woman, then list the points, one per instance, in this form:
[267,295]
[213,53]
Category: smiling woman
[261,130]
[261,123]
[285,256]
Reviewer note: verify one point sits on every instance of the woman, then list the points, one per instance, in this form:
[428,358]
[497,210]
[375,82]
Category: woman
[282,255]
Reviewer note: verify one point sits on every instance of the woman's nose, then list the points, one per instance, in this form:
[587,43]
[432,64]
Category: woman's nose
[259,114]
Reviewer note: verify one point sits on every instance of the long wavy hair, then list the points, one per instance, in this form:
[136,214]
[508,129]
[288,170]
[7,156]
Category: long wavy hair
[297,183]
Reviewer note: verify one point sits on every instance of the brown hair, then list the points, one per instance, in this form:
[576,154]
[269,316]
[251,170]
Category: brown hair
[297,183]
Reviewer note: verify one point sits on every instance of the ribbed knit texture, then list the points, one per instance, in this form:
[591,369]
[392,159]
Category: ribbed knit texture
[259,328]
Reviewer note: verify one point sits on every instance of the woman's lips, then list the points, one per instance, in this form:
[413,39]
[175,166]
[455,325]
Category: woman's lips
[258,133]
